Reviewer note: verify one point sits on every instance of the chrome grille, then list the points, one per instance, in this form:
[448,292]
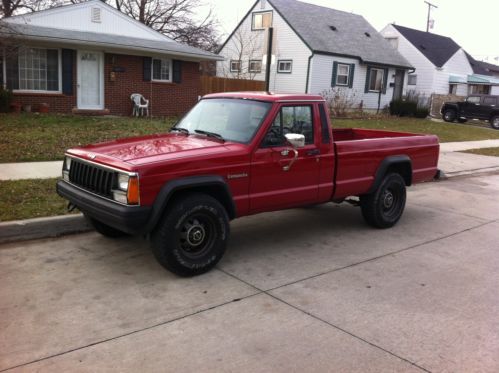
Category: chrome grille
[92,178]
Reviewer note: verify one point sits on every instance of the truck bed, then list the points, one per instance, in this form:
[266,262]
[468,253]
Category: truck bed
[360,151]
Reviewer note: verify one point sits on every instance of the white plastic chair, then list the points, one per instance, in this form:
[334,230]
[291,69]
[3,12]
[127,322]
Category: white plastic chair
[139,104]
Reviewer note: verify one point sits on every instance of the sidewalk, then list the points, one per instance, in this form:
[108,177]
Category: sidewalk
[41,170]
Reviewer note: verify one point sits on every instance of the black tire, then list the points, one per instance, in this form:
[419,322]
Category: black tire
[192,236]
[461,120]
[494,122]
[105,229]
[384,207]
[449,115]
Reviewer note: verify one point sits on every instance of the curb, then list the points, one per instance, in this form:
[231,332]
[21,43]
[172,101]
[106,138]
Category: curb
[54,226]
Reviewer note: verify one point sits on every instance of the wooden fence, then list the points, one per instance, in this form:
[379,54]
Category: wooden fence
[438,100]
[214,84]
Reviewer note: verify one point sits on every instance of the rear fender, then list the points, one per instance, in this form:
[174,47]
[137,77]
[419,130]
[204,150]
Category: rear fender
[400,164]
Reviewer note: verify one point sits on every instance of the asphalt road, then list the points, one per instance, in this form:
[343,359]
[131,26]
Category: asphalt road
[304,290]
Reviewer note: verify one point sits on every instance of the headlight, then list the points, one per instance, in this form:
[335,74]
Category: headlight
[123,182]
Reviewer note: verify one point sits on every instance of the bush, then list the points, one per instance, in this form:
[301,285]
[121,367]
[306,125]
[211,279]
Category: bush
[422,112]
[5,100]
[403,108]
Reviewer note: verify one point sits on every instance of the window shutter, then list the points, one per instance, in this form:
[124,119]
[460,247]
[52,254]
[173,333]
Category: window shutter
[385,79]
[146,69]
[67,59]
[368,75]
[335,74]
[351,75]
[12,69]
[177,71]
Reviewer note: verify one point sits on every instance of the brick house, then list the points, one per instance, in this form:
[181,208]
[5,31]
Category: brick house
[90,57]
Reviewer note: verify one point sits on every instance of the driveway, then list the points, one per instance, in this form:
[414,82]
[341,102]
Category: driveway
[310,289]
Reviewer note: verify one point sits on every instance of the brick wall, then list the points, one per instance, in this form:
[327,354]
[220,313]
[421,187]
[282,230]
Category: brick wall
[166,99]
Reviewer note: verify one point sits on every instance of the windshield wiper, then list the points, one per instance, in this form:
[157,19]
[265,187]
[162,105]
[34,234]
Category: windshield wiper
[180,129]
[210,134]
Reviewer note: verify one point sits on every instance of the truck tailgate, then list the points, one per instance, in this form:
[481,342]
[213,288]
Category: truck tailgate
[360,152]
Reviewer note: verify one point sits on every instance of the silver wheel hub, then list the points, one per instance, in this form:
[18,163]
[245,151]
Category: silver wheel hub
[195,235]
[388,200]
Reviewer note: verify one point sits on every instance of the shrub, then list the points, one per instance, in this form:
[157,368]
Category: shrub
[341,101]
[422,112]
[413,104]
[5,100]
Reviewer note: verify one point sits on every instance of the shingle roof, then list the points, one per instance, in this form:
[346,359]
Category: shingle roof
[313,24]
[112,41]
[438,49]
[477,66]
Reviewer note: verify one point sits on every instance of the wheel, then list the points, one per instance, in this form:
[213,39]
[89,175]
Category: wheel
[461,120]
[105,229]
[449,115]
[192,236]
[494,122]
[384,207]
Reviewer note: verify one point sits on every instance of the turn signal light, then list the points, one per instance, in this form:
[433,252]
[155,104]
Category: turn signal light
[133,191]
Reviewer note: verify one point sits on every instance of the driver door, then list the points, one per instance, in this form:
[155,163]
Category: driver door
[283,176]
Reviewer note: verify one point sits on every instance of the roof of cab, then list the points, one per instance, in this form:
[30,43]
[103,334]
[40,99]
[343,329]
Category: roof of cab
[267,96]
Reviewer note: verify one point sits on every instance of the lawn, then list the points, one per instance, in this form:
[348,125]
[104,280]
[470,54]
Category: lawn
[31,137]
[494,152]
[447,132]
[23,199]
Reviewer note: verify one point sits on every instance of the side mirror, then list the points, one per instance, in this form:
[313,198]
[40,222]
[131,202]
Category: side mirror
[295,139]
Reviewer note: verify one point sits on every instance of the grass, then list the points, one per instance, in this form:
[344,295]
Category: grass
[494,152]
[24,199]
[31,137]
[446,132]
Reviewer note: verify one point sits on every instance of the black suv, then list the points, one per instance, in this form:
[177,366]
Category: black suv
[484,107]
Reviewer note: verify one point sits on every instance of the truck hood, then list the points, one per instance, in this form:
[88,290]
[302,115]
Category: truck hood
[133,149]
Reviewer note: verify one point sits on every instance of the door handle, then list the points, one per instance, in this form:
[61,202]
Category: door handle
[313,152]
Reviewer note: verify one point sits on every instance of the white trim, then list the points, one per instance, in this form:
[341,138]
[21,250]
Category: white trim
[279,70]
[236,70]
[101,82]
[382,79]
[170,70]
[35,91]
[347,75]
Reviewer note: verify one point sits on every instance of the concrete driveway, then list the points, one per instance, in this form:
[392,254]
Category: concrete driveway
[310,289]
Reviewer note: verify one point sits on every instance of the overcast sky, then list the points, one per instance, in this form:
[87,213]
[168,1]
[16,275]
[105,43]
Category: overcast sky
[474,25]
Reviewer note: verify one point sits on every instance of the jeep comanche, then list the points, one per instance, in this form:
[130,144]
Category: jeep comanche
[484,107]
[236,154]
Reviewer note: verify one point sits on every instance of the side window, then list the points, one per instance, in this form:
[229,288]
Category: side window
[489,101]
[291,119]
[473,99]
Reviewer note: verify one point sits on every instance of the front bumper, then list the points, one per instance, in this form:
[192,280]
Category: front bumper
[128,219]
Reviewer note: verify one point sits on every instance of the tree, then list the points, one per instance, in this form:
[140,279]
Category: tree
[12,7]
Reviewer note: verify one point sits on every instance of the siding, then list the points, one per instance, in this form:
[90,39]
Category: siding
[287,46]
[458,65]
[78,17]
[321,75]
[424,68]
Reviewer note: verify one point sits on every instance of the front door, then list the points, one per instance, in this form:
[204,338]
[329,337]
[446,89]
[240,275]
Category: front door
[90,91]
[399,84]
[281,178]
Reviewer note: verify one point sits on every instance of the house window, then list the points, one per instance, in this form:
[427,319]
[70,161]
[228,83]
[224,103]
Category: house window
[255,66]
[452,89]
[394,42]
[284,66]
[39,69]
[261,20]
[161,69]
[235,66]
[479,89]
[342,74]
[376,80]
[412,79]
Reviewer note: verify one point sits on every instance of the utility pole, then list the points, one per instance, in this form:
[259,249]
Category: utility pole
[269,59]
[430,5]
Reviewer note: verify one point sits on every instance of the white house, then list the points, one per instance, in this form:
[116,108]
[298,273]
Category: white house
[442,66]
[314,49]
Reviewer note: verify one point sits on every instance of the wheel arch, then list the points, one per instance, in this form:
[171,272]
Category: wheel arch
[212,185]
[400,164]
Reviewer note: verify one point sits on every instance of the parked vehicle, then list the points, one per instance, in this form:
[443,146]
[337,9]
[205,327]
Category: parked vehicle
[485,107]
[236,154]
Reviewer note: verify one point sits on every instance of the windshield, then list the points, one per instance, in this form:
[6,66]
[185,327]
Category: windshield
[231,119]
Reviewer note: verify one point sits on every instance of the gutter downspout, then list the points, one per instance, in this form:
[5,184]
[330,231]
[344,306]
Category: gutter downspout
[308,72]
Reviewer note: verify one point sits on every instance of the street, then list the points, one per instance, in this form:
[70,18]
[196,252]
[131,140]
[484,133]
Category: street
[311,289]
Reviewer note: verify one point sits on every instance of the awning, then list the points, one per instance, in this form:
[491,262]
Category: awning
[473,79]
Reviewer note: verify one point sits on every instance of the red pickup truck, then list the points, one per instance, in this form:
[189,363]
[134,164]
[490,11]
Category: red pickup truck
[236,154]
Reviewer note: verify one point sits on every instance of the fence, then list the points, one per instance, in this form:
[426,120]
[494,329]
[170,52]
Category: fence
[438,100]
[214,84]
